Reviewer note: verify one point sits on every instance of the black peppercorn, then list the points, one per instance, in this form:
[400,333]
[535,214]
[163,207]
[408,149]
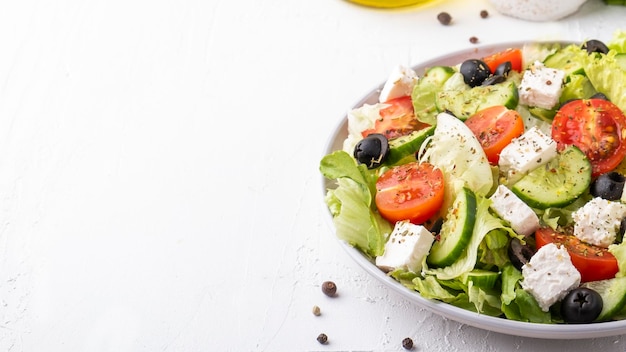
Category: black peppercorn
[473,40]
[329,288]
[484,14]
[322,338]
[444,18]
[407,343]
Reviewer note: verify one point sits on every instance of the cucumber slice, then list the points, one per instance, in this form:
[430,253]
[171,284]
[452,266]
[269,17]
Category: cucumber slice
[465,103]
[456,230]
[542,114]
[557,183]
[570,59]
[406,146]
[423,95]
[613,293]
[480,278]
[577,87]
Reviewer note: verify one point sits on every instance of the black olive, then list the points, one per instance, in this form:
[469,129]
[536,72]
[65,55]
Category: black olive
[599,96]
[495,79]
[503,69]
[567,102]
[595,46]
[520,254]
[372,150]
[436,227]
[474,72]
[608,186]
[622,229]
[581,305]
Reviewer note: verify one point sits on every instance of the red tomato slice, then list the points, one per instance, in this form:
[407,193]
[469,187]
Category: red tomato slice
[513,55]
[495,127]
[597,127]
[412,191]
[397,119]
[594,263]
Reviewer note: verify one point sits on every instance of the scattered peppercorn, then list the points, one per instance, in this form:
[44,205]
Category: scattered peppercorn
[473,40]
[484,14]
[316,311]
[407,343]
[444,18]
[322,338]
[329,288]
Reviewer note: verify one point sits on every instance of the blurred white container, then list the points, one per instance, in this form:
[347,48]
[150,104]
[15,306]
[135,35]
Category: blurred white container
[537,10]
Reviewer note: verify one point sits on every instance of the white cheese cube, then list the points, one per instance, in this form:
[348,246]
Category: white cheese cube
[406,248]
[399,84]
[541,86]
[549,275]
[598,221]
[513,210]
[525,153]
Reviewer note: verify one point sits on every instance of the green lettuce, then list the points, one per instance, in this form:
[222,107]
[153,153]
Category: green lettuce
[608,77]
[351,206]
[618,42]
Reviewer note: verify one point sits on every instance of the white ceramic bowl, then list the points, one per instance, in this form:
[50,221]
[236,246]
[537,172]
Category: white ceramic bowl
[538,10]
[501,325]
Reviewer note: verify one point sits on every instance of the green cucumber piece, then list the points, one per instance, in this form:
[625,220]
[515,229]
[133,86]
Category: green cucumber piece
[557,183]
[613,293]
[570,59]
[465,103]
[423,95]
[456,230]
[481,278]
[546,115]
[406,146]
[577,87]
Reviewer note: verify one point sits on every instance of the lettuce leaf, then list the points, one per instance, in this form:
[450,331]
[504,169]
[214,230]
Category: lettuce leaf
[608,77]
[618,42]
[351,206]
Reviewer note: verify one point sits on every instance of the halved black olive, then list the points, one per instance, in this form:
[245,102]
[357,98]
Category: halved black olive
[474,72]
[520,254]
[581,305]
[599,96]
[595,46]
[622,229]
[372,150]
[494,79]
[436,227]
[608,186]
[503,69]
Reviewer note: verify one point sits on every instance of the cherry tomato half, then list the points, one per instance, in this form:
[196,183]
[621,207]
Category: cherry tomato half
[495,127]
[512,55]
[396,120]
[597,127]
[412,191]
[594,263]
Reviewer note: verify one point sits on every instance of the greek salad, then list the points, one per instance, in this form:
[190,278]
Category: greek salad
[495,185]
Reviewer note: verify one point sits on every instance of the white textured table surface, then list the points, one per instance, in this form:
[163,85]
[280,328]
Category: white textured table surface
[159,184]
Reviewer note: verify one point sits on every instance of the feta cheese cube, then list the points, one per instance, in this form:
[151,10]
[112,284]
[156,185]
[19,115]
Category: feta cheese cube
[541,86]
[549,275]
[598,221]
[406,248]
[399,84]
[525,153]
[513,210]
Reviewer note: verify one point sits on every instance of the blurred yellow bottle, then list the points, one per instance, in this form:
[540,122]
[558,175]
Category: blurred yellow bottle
[389,3]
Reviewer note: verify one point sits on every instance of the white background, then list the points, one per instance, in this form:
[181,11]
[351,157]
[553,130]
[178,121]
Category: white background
[159,184]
